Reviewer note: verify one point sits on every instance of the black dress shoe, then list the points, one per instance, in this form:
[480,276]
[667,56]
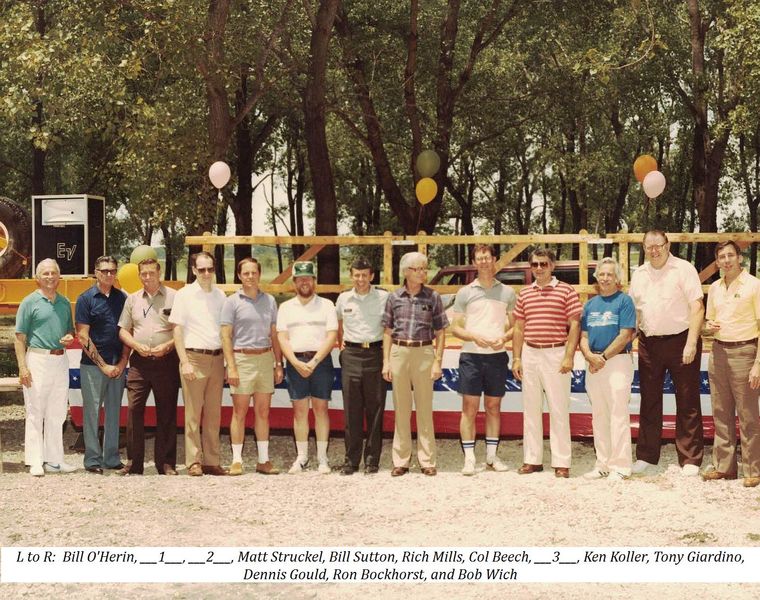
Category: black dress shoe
[96,470]
[117,467]
[348,469]
[370,469]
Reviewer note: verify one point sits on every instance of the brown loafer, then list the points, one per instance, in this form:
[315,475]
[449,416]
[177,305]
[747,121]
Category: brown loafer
[751,481]
[169,470]
[213,470]
[562,472]
[526,469]
[715,475]
[429,471]
[399,471]
[267,468]
[195,470]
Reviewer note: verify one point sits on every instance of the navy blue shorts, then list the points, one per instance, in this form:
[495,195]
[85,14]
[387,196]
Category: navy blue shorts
[483,374]
[319,385]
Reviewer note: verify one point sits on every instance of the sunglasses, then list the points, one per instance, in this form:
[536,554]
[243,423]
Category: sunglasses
[536,264]
[107,271]
[204,269]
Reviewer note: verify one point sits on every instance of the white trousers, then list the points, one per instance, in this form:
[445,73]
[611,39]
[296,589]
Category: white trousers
[541,377]
[46,403]
[609,391]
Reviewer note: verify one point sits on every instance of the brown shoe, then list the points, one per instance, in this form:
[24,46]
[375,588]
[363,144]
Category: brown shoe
[429,471]
[527,469]
[562,472]
[751,481]
[169,470]
[213,470]
[236,468]
[195,470]
[399,471]
[715,475]
[267,468]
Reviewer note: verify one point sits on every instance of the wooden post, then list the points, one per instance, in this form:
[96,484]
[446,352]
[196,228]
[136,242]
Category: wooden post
[387,280]
[583,266]
[623,261]
[422,247]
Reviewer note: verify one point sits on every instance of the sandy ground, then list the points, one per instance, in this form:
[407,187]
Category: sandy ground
[490,509]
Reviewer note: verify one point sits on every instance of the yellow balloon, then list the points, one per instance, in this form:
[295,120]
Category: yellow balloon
[129,277]
[426,190]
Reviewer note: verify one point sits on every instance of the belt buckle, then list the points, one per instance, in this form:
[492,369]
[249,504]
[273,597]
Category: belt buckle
[365,345]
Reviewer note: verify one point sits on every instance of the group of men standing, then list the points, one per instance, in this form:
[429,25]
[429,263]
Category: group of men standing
[186,338]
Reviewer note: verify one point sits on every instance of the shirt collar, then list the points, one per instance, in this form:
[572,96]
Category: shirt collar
[552,283]
[476,283]
[424,291]
[741,278]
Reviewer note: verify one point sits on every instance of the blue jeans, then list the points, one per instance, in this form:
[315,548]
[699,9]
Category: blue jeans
[99,390]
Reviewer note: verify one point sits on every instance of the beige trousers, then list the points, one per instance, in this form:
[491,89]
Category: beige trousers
[203,409]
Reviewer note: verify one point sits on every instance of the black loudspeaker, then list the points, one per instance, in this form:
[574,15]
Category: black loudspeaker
[71,229]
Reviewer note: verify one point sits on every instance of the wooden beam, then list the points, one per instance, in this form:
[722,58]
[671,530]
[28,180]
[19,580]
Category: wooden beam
[310,253]
[510,255]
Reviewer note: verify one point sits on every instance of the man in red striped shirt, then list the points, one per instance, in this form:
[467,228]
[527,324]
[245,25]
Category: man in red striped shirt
[546,333]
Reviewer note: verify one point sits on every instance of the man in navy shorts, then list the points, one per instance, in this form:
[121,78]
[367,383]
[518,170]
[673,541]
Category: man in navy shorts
[307,328]
[482,318]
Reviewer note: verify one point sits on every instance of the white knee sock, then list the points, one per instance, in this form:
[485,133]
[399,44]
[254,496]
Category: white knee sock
[237,453]
[263,448]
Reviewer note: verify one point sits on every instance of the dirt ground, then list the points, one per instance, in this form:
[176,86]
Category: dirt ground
[490,509]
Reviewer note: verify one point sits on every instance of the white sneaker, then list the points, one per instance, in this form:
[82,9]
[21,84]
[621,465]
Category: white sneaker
[615,477]
[324,469]
[640,466]
[596,474]
[297,467]
[690,470]
[469,466]
[496,465]
[59,468]
[37,471]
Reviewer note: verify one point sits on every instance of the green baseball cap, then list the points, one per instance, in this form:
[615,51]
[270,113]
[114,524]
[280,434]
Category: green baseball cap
[304,268]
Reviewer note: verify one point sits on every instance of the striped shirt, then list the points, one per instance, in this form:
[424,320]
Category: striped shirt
[547,311]
[415,318]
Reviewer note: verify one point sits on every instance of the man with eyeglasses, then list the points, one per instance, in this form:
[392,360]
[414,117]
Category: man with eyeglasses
[153,367]
[104,359]
[196,315]
[414,318]
[668,297]
[482,316]
[546,333]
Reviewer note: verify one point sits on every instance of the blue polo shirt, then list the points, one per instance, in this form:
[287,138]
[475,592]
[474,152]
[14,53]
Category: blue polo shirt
[102,314]
[44,322]
[251,319]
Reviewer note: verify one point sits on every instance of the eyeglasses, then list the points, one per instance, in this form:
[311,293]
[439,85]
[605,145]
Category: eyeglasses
[107,271]
[417,269]
[654,247]
[204,269]
[543,264]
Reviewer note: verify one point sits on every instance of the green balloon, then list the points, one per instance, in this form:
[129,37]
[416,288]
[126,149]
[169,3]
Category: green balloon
[428,163]
[141,253]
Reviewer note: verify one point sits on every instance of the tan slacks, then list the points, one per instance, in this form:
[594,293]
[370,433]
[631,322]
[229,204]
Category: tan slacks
[203,409]
[412,384]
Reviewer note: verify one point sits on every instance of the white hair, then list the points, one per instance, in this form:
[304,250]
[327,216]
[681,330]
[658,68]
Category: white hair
[409,259]
[46,263]
[608,260]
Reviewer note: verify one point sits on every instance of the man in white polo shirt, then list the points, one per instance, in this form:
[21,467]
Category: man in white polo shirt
[668,297]
[196,314]
[307,328]
[482,316]
[546,333]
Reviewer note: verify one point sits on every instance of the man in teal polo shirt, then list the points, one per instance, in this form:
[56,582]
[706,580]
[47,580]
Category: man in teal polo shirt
[43,327]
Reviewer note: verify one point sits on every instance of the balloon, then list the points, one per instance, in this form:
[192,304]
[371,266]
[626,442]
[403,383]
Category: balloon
[426,190]
[642,165]
[219,174]
[141,253]
[428,163]
[653,184]
[3,243]
[129,278]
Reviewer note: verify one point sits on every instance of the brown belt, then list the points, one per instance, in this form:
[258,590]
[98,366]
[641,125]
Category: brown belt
[413,343]
[736,344]
[56,352]
[216,352]
[544,346]
[365,345]
[252,350]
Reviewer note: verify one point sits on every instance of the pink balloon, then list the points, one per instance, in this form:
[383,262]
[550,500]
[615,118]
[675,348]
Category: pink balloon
[653,184]
[219,174]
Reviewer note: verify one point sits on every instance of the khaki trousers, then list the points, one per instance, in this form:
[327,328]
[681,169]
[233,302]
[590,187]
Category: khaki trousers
[728,369]
[411,383]
[203,409]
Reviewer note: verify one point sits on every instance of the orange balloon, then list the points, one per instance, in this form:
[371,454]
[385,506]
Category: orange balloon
[426,190]
[643,165]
